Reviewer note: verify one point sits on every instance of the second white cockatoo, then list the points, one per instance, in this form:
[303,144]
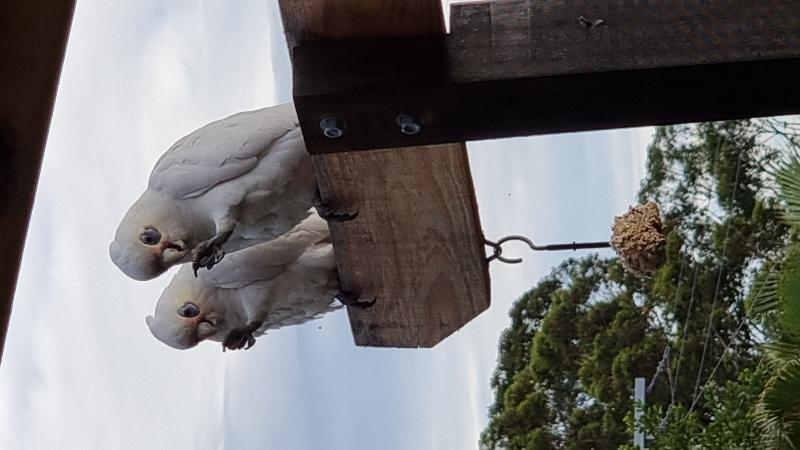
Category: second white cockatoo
[231,184]
[287,281]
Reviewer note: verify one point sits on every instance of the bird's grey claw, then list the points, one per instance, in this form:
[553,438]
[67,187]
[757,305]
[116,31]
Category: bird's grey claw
[238,338]
[355,301]
[332,214]
[207,255]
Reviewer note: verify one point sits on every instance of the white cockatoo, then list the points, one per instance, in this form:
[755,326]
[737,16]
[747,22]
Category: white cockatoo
[231,184]
[287,281]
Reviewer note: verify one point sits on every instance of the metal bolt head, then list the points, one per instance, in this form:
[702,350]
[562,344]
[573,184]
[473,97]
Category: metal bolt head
[409,124]
[332,127]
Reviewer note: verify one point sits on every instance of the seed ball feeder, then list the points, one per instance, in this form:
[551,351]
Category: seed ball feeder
[637,237]
[639,240]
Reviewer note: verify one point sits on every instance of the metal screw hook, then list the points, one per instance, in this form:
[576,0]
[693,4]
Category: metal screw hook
[497,249]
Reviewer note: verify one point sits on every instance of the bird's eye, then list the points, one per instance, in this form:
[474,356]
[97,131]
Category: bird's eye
[188,310]
[151,236]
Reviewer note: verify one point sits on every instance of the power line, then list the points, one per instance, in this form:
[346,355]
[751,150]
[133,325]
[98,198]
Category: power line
[719,282]
[662,366]
[683,338]
[727,347]
[674,304]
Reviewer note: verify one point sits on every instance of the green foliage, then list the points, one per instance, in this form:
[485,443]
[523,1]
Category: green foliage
[730,427]
[539,349]
[578,339]
[777,305]
[695,168]
[789,293]
[778,410]
[526,317]
[788,177]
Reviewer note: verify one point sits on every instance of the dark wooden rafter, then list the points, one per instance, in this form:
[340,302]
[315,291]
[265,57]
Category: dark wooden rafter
[522,67]
[417,244]
[33,37]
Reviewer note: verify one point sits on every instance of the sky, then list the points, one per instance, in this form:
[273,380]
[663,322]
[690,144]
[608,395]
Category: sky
[81,369]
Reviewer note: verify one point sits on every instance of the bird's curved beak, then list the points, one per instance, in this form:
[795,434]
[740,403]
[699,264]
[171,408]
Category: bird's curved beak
[206,326]
[173,252]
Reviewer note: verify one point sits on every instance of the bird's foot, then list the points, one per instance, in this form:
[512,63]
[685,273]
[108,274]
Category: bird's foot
[237,339]
[207,254]
[355,301]
[331,213]
[240,338]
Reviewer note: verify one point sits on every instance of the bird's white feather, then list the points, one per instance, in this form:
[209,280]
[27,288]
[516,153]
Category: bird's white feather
[247,177]
[287,281]
[221,151]
[272,259]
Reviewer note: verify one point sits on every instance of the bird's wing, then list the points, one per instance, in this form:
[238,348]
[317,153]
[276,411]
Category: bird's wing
[294,299]
[265,261]
[221,151]
[300,314]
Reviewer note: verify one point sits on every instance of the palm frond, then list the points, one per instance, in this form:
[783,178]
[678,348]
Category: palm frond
[786,348]
[787,174]
[777,411]
[766,298]
[789,293]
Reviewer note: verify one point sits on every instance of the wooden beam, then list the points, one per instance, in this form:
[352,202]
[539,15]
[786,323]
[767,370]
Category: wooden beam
[417,243]
[33,36]
[312,20]
[521,67]
[419,247]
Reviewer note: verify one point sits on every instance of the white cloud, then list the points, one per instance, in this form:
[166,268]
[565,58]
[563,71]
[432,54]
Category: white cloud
[80,368]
